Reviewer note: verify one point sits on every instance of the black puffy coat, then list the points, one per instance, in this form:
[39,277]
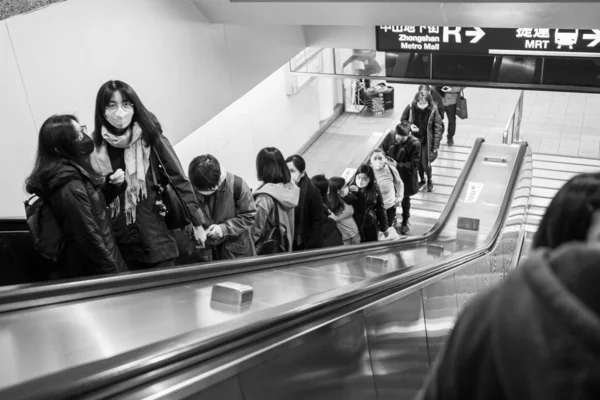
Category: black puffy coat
[369,212]
[308,216]
[434,131]
[148,240]
[78,203]
[407,156]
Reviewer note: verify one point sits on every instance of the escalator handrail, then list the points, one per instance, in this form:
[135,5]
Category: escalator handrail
[38,295]
[170,355]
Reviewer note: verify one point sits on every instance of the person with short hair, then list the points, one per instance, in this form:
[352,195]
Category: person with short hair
[277,193]
[450,97]
[308,215]
[228,205]
[403,151]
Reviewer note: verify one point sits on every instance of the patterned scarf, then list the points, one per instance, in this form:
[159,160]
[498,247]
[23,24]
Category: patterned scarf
[137,162]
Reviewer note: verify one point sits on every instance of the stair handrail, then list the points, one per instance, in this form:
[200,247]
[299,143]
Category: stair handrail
[512,131]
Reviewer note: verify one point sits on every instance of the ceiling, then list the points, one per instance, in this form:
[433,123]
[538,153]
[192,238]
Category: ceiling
[558,14]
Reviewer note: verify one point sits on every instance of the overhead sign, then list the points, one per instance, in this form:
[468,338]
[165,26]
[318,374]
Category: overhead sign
[543,42]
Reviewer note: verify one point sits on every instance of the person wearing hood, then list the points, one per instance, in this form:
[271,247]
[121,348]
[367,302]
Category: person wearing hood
[308,218]
[77,196]
[129,137]
[276,197]
[426,125]
[228,204]
[536,335]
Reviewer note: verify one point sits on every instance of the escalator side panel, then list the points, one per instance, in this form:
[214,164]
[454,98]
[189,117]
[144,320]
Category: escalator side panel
[466,285]
[228,389]
[398,345]
[331,362]
[441,310]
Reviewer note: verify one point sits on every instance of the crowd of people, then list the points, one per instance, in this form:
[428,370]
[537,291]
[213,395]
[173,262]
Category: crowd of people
[119,199]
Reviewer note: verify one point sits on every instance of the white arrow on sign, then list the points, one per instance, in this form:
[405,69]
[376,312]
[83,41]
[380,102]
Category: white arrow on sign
[593,36]
[478,33]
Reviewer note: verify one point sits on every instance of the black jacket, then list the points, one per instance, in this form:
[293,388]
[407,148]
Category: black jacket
[407,157]
[78,204]
[148,240]
[308,216]
[369,212]
[439,102]
[434,132]
[537,336]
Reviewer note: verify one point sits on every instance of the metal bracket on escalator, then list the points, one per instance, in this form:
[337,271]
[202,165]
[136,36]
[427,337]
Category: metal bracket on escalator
[470,224]
[379,262]
[435,249]
[232,293]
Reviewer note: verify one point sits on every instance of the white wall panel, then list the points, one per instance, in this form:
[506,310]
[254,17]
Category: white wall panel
[19,134]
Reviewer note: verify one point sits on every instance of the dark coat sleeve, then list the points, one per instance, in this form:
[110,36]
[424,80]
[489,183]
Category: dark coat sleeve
[315,218]
[388,141]
[414,157]
[182,184]
[264,205]
[405,114]
[79,223]
[437,130]
[245,214]
[380,211]
[111,192]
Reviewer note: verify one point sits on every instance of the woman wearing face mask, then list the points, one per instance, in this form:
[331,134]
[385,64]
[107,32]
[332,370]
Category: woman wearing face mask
[308,215]
[341,211]
[389,182]
[369,211]
[129,137]
[76,195]
[426,125]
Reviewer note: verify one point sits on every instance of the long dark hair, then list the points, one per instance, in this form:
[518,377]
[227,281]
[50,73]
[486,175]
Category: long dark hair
[57,144]
[147,121]
[271,166]
[569,215]
[367,170]
[298,162]
[334,201]
[421,95]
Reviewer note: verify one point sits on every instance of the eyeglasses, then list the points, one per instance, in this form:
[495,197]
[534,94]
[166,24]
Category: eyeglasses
[113,107]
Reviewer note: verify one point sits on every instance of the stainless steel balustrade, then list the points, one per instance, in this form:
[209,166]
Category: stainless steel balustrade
[371,339]
[30,296]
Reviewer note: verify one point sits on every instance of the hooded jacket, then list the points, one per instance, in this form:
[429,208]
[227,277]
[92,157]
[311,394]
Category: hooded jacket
[537,336]
[234,218]
[78,204]
[285,197]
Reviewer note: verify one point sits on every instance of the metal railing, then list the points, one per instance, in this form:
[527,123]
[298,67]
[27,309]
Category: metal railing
[512,132]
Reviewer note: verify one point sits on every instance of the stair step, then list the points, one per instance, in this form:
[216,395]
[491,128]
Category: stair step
[555,166]
[566,160]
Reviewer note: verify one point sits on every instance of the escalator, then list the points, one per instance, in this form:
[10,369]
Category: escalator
[363,324]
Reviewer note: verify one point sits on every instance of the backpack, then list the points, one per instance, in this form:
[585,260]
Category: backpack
[276,240]
[48,239]
[237,188]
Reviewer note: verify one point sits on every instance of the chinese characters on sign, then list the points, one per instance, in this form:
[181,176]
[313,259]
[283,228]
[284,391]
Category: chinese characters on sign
[476,40]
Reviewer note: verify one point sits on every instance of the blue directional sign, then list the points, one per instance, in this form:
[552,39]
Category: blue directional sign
[541,42]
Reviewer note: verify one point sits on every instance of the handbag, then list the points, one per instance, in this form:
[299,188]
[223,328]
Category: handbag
[462,111]
[177,213]
[276,241]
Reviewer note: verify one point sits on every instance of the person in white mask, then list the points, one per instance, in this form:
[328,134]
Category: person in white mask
[129,137]
[390,184]
[369,212]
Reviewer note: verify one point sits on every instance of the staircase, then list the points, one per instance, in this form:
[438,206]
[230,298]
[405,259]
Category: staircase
[426,207]
[550,173]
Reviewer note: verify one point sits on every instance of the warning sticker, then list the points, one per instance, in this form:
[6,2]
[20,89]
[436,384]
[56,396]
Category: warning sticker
[473,192]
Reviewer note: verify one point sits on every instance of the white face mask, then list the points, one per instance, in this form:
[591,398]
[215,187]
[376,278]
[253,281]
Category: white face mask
[378,164]
[422,106]
[206,192]
[120,118]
